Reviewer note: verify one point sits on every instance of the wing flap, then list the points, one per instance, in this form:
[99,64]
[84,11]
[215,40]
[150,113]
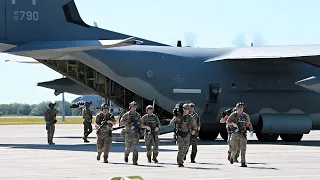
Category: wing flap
[72,46]
[269,52]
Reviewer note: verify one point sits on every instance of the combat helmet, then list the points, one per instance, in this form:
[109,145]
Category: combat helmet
[104,106]
[239,104]
[51,104]
[191,105]
[133,103]
[186,106]
[149,107]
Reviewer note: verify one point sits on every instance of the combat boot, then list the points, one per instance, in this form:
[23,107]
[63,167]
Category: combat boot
[98,156]
[236,160]
[231,160]
[149,159]
[126,159]
[243,165]
[105,160]
[193,156]
[180,165]
[155,159]
[85,139]
[229,154]
[185,157]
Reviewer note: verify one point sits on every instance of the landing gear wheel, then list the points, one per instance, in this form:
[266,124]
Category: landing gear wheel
[208,135]
[224,135]
[291,137]
[267,137]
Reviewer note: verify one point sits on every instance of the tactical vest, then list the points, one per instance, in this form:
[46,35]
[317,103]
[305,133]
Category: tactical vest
[104,120]
[185,123]
[134,123]
[242,122]
[87,115]
[50,116]
[151,121]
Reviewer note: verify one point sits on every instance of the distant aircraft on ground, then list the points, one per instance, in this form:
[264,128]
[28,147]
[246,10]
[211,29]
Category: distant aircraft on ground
[272,81]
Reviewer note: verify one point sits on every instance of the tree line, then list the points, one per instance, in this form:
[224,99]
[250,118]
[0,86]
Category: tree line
[18,109]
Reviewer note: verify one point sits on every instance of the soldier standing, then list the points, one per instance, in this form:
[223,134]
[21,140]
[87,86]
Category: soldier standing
[194,138]
[50,118]
[131,120]
[184,124]
[87,121]
[104,123]
[151,124]
[241,121]
[229,128]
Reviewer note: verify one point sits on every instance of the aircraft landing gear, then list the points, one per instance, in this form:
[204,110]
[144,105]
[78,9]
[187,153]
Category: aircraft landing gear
[267,137]
[291,137]
[208,135]
[224,135]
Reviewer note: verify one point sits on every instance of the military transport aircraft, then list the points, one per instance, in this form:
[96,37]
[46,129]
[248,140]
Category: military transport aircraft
[271,81]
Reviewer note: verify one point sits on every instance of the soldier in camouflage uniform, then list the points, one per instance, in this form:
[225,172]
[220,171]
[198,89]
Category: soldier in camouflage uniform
[194,138]
[151,124]
[184,125]
[241,121]
[104,123]
[131,120]
[50,118]
[230,128]
[87,121]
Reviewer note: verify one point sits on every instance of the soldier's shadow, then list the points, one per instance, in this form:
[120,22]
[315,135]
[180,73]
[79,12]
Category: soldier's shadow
[201,168]
[130,164]
[262,168]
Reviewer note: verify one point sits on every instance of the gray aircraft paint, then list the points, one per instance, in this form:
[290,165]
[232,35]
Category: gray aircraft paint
[263,78]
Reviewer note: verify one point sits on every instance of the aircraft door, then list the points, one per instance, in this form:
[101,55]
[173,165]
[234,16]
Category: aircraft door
[214,92]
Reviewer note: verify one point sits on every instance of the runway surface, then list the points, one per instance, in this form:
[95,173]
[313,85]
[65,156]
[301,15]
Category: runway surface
[25,155]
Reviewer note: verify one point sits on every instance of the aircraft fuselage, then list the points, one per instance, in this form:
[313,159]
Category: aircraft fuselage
[171,75]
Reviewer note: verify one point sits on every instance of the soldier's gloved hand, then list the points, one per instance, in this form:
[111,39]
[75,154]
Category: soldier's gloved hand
[156,129]
[251,133]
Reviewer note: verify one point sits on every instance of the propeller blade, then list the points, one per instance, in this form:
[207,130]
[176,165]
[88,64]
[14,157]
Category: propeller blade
[258,40]
[239,40]
[190,39]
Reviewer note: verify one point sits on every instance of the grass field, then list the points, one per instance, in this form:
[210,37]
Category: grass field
[24,120]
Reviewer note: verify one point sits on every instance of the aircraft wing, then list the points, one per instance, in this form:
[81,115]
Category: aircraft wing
[72,46]
[269,52]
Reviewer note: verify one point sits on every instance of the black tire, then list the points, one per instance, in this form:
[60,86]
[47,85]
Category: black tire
[224,135]
[291,137]
[267,137]
[208,135]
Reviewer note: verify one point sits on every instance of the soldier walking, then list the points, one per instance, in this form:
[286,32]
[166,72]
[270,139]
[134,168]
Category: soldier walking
[241,121]
[131,120]
[151,124]
[194,138]
[50,118]
[184,125]
[87,121]
[104,123]
[229,128]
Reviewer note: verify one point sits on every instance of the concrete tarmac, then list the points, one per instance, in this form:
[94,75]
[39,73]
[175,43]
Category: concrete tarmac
[26,155]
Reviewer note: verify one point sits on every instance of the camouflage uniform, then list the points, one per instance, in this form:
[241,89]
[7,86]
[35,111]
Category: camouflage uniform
[230,129]
[104,135]
[131,120]
[239,136]
[87,121]
[50,118]
[184,125]
[151,137]
[194,138]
